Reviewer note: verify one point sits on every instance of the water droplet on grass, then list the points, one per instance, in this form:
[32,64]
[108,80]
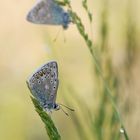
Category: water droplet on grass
[121,130]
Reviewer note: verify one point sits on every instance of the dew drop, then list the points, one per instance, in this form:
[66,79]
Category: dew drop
[121,130]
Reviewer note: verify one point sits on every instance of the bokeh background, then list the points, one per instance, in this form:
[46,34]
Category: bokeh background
[25,46]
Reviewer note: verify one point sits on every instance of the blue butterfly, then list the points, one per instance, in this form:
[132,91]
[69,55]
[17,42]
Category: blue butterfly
[43,84]
[49,12]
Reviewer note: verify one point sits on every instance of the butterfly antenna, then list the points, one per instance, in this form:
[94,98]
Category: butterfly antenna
[58,32]
[64,111]
[67,107]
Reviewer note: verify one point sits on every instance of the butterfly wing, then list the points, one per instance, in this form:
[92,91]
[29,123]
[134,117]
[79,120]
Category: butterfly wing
[48,12]
[43,84]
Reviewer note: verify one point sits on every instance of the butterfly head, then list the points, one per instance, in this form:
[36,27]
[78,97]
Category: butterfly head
[66,20]
[56,107]
[51,107]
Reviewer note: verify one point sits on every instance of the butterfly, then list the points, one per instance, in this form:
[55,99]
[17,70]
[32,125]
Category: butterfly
[48,12]
[43,84]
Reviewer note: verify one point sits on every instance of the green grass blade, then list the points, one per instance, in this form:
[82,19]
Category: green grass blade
[81,29]
[85,6]
[49,125]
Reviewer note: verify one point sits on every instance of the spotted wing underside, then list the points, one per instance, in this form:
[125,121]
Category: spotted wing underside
[43,83]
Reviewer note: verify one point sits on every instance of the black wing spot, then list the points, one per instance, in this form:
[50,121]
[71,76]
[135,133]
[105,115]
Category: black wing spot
[44,70]
[36,76]
[39,82]
[48,76]
[41,73]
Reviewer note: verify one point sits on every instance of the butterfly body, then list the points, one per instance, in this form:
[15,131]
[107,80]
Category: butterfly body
[48,12]
[43,84]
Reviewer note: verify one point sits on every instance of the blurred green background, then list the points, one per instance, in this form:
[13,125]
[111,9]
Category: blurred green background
[25,46]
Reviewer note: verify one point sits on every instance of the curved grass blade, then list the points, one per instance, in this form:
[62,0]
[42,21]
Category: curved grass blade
[49,125]
[81,28]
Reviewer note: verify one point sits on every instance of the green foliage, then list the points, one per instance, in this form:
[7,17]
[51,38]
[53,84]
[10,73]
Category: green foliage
[49,125]
[107,92]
